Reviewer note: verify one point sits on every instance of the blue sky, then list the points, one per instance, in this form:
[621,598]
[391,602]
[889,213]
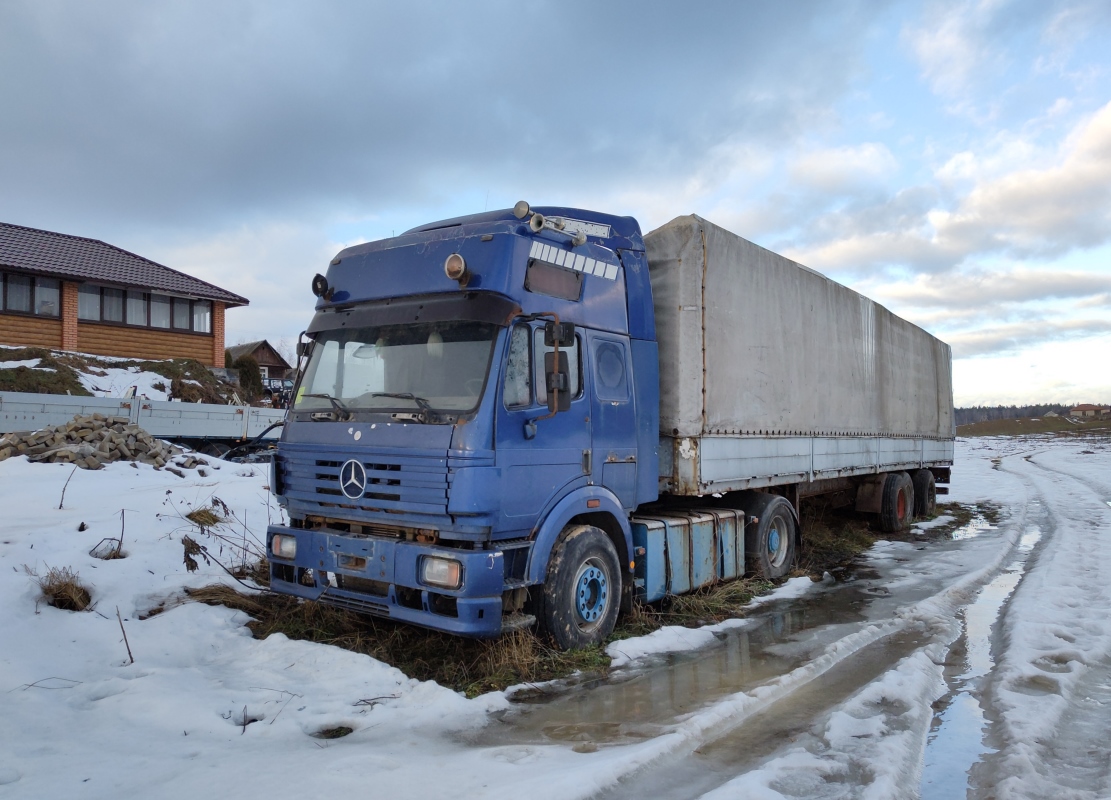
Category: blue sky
[952,160]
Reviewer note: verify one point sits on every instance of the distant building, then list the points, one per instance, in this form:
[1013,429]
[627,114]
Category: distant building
[1089,410]
[270,362]
[1051,414]
[71,293]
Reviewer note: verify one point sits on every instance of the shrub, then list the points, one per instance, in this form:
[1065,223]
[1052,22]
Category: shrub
[250,379]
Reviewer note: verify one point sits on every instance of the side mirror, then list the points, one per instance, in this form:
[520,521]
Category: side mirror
[561,334]
[558,377]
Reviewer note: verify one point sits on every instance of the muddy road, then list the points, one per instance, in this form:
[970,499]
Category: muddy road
[972,666]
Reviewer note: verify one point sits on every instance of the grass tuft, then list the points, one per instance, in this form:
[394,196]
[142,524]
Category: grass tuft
[62,588]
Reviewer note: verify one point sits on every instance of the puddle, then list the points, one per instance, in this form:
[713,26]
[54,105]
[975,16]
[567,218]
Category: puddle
[648,699]
[973,528]
[956,740]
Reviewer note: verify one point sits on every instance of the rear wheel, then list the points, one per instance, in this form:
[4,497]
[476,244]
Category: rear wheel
[581,596]
[897,507]
[925,494]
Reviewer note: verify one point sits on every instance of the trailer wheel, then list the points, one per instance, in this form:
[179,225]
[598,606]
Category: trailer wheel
[925,494]
[897,506]
[770,542]
[581,596]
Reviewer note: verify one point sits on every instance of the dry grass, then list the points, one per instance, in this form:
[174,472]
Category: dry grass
[204,517]
[62,588]
[471,666]
[476,666]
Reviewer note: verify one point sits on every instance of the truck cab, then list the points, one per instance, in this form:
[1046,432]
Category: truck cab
[477,418]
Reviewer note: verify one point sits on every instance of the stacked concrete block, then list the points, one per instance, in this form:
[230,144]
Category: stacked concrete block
[91,442]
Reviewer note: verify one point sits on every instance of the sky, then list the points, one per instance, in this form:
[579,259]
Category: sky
[951,160]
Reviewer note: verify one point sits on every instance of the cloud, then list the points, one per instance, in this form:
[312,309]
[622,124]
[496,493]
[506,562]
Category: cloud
[952,46]
[840,169]
[1009,338]
[180,114]
[979,289]
[1022,214]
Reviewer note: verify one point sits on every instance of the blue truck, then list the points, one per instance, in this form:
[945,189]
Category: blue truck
[539,416]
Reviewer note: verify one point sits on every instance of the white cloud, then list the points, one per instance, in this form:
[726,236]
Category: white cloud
[1076,371]
[841,169]
[951,47]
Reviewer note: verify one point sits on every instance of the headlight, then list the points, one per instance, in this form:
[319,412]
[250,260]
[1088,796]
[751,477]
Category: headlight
[283,546]
[444,572]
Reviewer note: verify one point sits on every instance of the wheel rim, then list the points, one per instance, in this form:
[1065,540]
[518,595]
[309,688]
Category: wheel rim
[777,542]
[591,593]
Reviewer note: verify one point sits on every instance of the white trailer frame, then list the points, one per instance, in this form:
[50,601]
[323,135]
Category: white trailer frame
[24,411]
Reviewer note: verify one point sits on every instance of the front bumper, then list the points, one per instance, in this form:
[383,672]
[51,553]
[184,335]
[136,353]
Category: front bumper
[379,576]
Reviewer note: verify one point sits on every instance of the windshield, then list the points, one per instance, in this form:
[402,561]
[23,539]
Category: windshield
[441,366]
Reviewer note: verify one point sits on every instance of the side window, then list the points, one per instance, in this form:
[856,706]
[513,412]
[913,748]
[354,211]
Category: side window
[574,359]
[609,371]
[518,386]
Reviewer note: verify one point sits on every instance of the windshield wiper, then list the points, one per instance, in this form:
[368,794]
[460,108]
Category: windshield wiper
[426,415]
[340,408]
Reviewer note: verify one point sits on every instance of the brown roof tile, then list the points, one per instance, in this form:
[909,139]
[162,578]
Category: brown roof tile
[77,258]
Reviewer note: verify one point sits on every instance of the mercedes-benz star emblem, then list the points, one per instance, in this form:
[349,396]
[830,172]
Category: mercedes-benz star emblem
[352,479]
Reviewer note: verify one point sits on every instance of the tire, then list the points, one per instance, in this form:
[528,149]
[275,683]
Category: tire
[581,596]
[925,494]
[770,542]
[897,506]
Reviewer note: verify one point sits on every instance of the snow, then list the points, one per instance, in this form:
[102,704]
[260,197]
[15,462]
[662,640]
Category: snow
[33,363]
[117,380]
[80,720]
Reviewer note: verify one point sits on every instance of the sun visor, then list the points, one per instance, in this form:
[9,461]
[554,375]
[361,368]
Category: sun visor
[469,307]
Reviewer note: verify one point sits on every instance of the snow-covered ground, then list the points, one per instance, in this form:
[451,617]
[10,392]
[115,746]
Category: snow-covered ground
[101,379]
[831,695]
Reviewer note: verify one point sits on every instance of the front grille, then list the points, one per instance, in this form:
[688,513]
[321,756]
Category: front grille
[363,585]
[355,604]
[414,483]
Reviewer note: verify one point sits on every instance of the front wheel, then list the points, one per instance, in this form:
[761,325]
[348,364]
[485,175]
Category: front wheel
[582,593]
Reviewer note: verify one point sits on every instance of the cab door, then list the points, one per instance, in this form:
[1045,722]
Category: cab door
[538,463]
[613,428]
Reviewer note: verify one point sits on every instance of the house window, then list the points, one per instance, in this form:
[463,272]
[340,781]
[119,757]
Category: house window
[27,295]
[159,311]
[202,316]
[18,293]
[181,313]
[264,373]
[88,302]
[47,297]
[112,305]
[137,308]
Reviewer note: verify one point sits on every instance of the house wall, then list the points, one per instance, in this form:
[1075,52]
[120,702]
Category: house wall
[114,340]
[69,315]
[216,352]
[30,331]
[68,333]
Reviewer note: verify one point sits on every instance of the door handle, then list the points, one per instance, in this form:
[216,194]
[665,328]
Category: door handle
[587,461]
